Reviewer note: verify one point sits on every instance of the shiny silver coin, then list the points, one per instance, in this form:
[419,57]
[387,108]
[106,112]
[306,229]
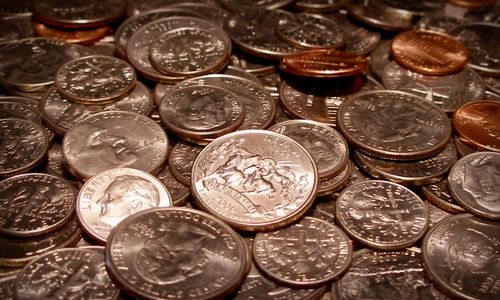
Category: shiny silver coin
[179,192]
[243,5]
[381,17]
[379,59]
[181,160]
[438,22]
[208,11]
[436,214]
[145,6]
[439,194]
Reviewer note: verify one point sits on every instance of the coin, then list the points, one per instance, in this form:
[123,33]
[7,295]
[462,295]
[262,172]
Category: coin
[461,255]
[484,13]
[110,196]
[493,83]
[115,139]
[181,160]
[16,7]
[15,28]
[251,64]
[142,7]
[320,5]
[379,58]
[208,11]
[330,185]
[66,274]
[12,109]
[176,253]
[462,148]
[381,215]
[438,22]
[179,192]
[323,63]
[394,125]
[478,125]
[244,5]
[436,214]
[380,17]
[473,183]
[309,253]
[472,3]
[81,36]
[439,194]
[419,8]
[7,286]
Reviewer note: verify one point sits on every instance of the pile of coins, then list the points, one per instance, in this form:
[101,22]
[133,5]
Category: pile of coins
[239,149]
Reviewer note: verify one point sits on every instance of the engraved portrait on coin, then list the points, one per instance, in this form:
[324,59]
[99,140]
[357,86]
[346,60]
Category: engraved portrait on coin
[203,112]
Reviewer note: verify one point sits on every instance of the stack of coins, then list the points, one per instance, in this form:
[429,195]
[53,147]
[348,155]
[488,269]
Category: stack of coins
[237,149]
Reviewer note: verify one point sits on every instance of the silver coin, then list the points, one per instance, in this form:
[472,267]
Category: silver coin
[438,22]
[145,6]
[493,83]
[251,64]
[15,28]
[16,7]
[379,59]
[416,7]
[18,110]
[181,161]
[485,13]
[381,17]
[321,5]
[463,149]
[436,214]
[243,5]
[208,11]
[7,287]
[331,185]
[382,215]
[179,192]
[439,194]
[473,183]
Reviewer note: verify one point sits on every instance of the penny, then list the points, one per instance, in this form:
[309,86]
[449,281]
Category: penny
[472,3]
[176,253]
[17,252]
[436,214]
[461,253]
[244,5]
[23,146]
[110,196]
[7,287]
[95,79]
[179,192]
[328,148]
[379,17]
[254,180]
[309,31]
[66,274]
[381,215]
[31,64]
[115,139]
[478,124]
[386,275]
[429,52]
[446,91]
[190,51]
[35,204]
[473,183]
[439,194]
[79,13]
[416,7]
[82,36]
[394,125]
[323,63]
[204,112]
[15,28]
[331,185]
[181,161]
[61,114]
[411,173]
[307,254]
[143,7]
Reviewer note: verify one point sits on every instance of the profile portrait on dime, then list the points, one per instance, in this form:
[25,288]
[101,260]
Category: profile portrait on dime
[482,182]
[204,112]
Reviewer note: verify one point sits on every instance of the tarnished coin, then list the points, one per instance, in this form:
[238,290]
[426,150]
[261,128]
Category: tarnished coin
[191,51]
[490,12]
[429,52]
[142,7]
[461,255]
[439,194]
[115,139]
[323,63]
[320,5]
[492,83]
[60,114]
[35,204]
[478,124]
[95,79]
[80,36]
[16,7]
[7,287]
[327,147]
[386,276]
[438,22]
[23,145]
[243,5]
[201,112]
[181,160]
[176,253]
[474,184]
[472,3]
[112,195]
[310,253]
[66,274]
[15,28]
[416,7]
[78,13]
[179,192]
[394,125]
[10,109]
[372,14]
[381,215]
[31,64]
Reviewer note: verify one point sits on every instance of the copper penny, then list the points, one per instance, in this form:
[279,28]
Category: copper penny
[323,63]
[429,52]
[85,36]
[478,124]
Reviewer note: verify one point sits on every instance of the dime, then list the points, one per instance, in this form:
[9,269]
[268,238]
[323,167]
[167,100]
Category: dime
[81,36]
[15,28]
[181,160]
[66,274]
[55,163]
[115,139]
[179,192]
[254,180]
[461,255]
[23,146]
[438,22]
[380,17]
[176,253]
[386,275]
[394,125]
[112,195]
[78,13]
[436,214]
[95,79]
[323,63]
[379,59]
[473,182]
[416,7]
[330,185]
[478,124]
[429,52]
[11,109]
[307,254]
[381,215]
[439,194]
[35,204]
[7,287]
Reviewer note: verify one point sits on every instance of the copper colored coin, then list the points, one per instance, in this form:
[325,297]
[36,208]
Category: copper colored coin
[429,52]
[478,124]
[85,36]
[323,63]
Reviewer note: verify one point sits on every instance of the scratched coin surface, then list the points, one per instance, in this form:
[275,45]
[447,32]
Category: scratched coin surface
[66,274]
[115,139]
[176,253]
[95,79]
[254,180]
[181,160]
[461,255]
[473,183]
[35,204]
[307,254]
[381,215]
[112,195]
[394,125]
